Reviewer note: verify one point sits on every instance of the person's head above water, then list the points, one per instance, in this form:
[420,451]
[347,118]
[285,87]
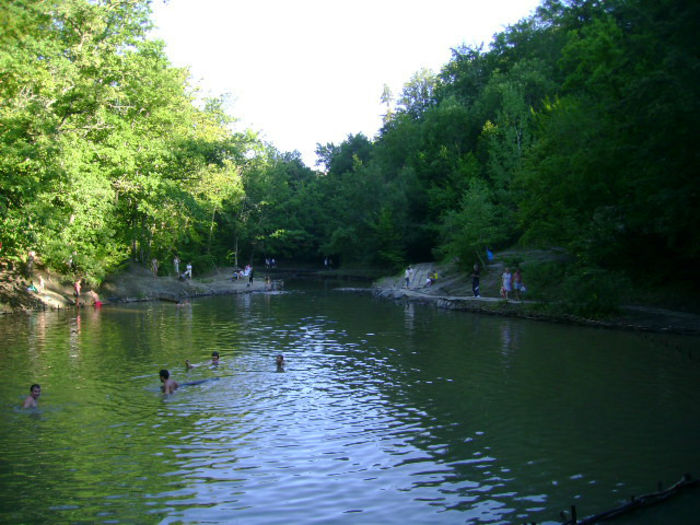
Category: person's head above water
[31,399]
[169,385]
[279,359]
[215,357]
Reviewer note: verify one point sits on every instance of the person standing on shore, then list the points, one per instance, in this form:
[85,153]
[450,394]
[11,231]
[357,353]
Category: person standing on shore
[188,271]
[475,281]
[30,262]
[76,291]
[176,265]
[72,264]
[154,267]
[507,283]
[517,283]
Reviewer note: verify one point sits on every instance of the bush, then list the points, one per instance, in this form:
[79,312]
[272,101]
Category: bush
[593,292]
[201,264]
[582,290]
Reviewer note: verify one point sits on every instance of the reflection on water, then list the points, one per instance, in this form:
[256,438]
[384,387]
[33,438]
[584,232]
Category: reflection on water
[384,413]
[409,317]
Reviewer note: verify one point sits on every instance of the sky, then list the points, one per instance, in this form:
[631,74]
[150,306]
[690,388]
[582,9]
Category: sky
[302,72]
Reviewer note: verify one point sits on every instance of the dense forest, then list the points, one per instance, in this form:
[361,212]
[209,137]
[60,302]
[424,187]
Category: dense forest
[574,128]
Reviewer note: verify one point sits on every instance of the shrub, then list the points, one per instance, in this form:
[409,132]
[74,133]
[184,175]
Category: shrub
[578,289]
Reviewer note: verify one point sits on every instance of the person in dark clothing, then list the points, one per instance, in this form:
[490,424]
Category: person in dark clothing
[475,281]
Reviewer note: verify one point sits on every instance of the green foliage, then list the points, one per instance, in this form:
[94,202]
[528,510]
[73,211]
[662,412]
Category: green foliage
[575,128]
[583,290]
[103,152]
[418,93]
[475,225]
[388,248]
[344,241]
[348,156]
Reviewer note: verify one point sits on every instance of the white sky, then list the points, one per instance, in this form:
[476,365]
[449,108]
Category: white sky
[303,72]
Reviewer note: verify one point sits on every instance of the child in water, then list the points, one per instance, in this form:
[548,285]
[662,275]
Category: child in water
[214,361]
[32,399]
[169,385]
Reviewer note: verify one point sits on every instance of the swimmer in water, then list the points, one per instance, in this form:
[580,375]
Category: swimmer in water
[169,385]
[280,362]
[32,399]
[214,361]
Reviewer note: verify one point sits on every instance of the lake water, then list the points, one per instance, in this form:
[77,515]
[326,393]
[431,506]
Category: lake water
[385,413]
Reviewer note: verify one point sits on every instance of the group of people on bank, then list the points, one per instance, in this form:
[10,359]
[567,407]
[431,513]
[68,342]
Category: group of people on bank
[187,274]
[430,279]
[511,283]
[246,272]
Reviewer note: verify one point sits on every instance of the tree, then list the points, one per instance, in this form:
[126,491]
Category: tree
[418,93]
[355,150]
[387,99]
[466,232]
[102,148]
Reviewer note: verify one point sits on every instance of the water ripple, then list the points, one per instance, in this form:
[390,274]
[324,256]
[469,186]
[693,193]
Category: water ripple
[380,413]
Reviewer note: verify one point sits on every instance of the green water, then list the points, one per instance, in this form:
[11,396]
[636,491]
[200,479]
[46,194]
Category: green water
[384,413]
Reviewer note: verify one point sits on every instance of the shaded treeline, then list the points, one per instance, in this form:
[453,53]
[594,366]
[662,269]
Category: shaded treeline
[575,128]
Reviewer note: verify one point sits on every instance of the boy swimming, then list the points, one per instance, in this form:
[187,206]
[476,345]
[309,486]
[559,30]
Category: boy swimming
[169,385]
[32,399]
[214,361]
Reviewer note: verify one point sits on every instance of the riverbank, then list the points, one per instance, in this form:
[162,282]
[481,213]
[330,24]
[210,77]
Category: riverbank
[452,291]
[47,290]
